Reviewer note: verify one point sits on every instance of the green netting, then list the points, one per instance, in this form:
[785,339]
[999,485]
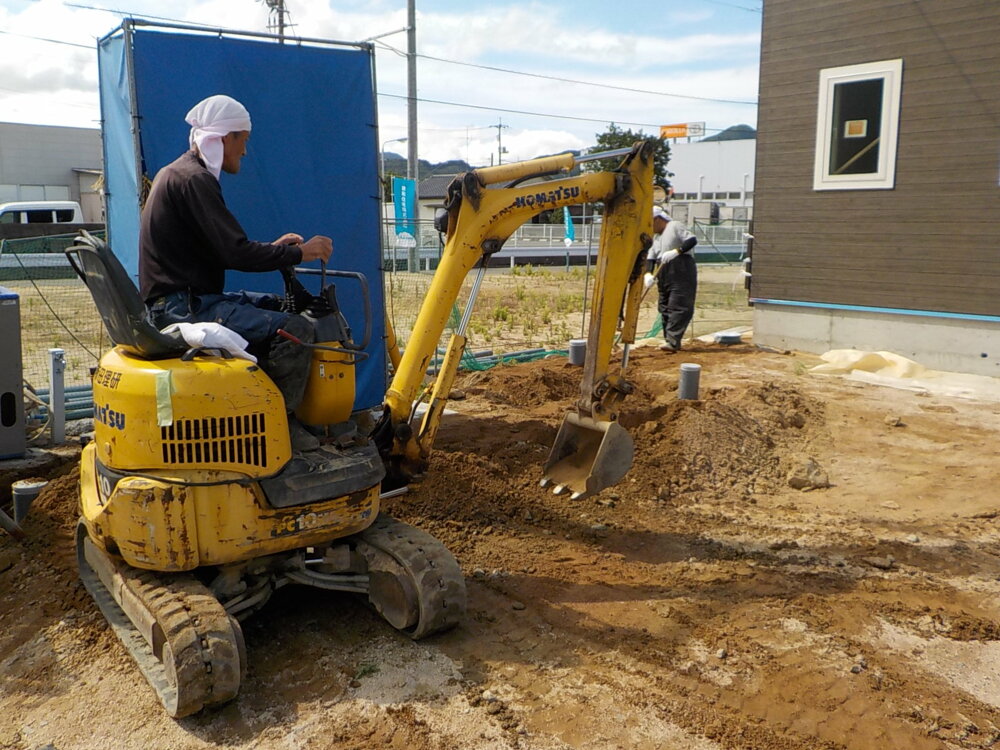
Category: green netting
[471,362]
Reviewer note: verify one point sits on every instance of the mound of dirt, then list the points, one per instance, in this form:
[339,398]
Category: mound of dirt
[734,441]
[526,385]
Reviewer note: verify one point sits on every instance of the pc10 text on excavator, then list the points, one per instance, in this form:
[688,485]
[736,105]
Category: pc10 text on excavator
[194,508]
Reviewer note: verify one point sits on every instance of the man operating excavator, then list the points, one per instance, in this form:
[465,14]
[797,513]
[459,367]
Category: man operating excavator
[188,239]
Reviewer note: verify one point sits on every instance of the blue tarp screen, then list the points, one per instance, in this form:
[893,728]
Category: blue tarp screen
[311,165]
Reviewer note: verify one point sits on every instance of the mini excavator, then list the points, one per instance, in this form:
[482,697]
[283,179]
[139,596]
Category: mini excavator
[194,508]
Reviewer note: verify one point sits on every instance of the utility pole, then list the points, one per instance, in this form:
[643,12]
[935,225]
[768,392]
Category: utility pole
[276,22]
[412,164]
[500,149]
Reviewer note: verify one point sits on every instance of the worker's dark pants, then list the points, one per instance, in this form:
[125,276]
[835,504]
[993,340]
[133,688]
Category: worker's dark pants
[678,285]
[257,318]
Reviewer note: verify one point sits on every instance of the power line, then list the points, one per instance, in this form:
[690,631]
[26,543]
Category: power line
[571,80]
[532,114]
[125,13]
[53,41]
[734,5]
[644,92]
[449,104]
[454,62]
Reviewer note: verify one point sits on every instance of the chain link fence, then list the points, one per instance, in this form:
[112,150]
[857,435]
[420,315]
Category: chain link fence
[57,311]
[536,290]
[522,306]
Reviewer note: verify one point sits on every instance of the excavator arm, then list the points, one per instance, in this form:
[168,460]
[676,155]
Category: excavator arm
[484,207]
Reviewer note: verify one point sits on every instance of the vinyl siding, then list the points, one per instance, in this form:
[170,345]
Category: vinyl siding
[931,243]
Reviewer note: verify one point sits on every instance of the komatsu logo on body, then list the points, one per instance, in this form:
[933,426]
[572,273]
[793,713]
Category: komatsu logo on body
[562,193]
[108,416]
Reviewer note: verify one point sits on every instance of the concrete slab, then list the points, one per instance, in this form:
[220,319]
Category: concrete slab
[938,343]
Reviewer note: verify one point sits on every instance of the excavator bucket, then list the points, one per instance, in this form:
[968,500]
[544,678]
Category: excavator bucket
[588,456]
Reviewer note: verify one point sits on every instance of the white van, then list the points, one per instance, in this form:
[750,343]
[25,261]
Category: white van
[41,212]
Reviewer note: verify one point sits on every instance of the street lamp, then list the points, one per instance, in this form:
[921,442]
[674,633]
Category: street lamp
[381,176]
[382,156]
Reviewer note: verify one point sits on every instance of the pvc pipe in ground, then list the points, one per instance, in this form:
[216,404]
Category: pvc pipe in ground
[24,491]
[57,396]
[687,386]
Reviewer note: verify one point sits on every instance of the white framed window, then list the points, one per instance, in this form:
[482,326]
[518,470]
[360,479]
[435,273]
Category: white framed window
[857,125]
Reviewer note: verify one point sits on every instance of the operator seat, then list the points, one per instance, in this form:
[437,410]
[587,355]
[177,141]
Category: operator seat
[118,301]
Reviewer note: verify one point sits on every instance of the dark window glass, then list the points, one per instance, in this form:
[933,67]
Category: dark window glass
[64,214]
[39,217]
[9,218]
[856,123]
[8,406]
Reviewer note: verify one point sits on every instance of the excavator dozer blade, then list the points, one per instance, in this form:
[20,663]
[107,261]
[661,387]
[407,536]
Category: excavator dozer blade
[588,456]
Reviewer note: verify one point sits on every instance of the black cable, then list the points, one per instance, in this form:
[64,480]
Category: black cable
[644,92]
[604,120]
[54,313]
[53,41]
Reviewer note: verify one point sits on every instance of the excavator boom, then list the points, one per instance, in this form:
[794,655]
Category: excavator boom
[484,207]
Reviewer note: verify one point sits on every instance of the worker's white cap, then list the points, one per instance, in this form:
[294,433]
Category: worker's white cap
[659,213]
[210,119]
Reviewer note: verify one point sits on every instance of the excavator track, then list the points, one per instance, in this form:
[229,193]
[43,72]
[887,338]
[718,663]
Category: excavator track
[189,649]
[428,586]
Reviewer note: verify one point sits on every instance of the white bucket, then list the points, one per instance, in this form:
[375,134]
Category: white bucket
[577,351]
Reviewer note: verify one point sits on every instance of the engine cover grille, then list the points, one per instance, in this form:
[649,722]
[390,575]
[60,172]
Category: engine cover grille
[239,439]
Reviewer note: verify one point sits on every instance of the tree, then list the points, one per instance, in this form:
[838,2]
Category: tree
[615,137]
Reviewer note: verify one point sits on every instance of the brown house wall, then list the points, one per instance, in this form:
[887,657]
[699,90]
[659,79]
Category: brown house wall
[931,243]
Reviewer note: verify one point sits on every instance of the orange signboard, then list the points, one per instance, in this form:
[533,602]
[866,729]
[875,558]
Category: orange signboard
[674,131]
[683,130]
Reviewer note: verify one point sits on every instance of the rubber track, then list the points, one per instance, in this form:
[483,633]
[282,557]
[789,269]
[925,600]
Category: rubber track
[206,656]
[433,569]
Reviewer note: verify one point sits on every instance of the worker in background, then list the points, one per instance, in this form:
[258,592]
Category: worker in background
[188,239]
[670,263]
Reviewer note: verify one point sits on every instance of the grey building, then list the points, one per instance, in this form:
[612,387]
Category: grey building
[712,171]
[43,162]
[878,181]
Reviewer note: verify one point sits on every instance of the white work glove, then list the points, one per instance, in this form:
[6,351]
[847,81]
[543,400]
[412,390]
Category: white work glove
[668,256]
[648,280]
[212,336]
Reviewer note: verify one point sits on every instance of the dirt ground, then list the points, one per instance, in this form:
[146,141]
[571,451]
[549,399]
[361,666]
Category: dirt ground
[703,603]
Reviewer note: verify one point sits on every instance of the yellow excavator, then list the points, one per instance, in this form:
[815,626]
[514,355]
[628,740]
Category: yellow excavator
[194,508]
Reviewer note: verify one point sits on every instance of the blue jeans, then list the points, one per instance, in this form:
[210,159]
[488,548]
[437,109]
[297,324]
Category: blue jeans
[246,313]
[256,318]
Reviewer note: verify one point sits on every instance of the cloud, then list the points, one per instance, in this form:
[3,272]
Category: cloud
[694,56]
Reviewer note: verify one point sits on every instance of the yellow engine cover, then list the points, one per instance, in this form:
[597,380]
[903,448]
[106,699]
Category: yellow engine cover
[329,395]
[209,413]
[189,518]
[170,481]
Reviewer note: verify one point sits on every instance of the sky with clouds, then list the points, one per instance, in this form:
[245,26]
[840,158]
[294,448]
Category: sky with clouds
[653,63]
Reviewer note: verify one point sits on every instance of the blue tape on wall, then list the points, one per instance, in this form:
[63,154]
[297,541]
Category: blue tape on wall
[312,159]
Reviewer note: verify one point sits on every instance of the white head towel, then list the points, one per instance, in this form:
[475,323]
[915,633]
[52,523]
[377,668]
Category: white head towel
[210,119]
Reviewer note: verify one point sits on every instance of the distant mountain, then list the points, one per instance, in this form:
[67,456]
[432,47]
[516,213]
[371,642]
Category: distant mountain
[733,133]
[396,164]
